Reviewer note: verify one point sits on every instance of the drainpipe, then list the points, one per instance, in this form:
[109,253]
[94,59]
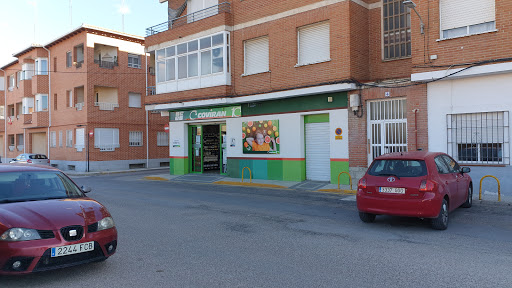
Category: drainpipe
[49,100]
[416,127]
[147,120]
[5,113]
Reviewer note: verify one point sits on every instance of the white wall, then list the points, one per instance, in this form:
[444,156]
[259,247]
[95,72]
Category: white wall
[125,46]
[468,95]
[339,119]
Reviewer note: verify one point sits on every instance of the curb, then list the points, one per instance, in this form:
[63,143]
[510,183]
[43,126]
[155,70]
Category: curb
[250,184]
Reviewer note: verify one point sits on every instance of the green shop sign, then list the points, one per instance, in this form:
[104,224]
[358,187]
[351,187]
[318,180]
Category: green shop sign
[213,113]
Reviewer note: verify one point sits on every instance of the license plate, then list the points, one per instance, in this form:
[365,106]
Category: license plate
[72,249]
[392,190]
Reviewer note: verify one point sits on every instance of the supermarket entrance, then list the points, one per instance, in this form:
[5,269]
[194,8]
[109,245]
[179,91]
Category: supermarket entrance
[208,148]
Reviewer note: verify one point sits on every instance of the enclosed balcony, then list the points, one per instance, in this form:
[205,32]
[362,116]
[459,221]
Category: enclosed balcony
[105,56]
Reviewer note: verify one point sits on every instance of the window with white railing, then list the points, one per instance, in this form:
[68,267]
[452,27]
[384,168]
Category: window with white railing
[135,138]
[479,138]
[162,139]
[106,139]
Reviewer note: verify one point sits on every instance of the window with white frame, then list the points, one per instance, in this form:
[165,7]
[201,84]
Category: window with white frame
[12,82]
[396,22]
[79,53]
[134,100]
[41,102]
[41,66]
[80,139]
[2,84]
[60,138]
[256,55]
[69,59]
[106,139]
[480,138]
[27,105]
[162,139]
[69,95]
[28,71]
[134,61]
[135,138]
[20,77]
[314,44]
[53,139]
[199,57]
[466,17]
[69,138]
[2,112]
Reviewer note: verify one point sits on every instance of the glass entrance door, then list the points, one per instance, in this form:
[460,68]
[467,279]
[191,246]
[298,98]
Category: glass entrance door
[197,151]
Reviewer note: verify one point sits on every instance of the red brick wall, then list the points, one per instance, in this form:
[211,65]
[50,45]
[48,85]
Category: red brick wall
[459,50]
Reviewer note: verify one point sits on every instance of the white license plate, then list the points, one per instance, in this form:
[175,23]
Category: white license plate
[392,190]
[72,249]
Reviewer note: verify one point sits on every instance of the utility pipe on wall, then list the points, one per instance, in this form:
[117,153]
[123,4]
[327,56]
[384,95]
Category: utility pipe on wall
[5,115]
[49,99]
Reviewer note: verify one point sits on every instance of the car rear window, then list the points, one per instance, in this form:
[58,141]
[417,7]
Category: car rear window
[398,167]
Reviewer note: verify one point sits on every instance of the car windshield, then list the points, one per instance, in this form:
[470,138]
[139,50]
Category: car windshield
[398,167]
[36,185]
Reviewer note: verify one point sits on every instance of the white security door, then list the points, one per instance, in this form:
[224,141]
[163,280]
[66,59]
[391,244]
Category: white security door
[318,159]
[387,127]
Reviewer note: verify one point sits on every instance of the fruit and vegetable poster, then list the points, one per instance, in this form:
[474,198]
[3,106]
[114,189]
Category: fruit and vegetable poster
[260,137]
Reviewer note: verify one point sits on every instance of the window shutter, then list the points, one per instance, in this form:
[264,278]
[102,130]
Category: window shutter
[134,100]
[461,13]
[80,138]
[314,44]
[256,56]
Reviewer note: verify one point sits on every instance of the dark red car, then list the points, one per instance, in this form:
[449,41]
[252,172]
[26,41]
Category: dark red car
[414,184]
[47,222]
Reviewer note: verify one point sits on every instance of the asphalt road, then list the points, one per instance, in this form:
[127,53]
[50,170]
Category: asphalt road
[175,234]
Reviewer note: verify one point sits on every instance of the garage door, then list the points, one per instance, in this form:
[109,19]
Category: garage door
[318,161]
[39,143]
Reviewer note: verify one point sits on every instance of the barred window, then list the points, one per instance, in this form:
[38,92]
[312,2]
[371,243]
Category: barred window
[397,29]
[134,61]
[480,138]
[162,139]
[135,138]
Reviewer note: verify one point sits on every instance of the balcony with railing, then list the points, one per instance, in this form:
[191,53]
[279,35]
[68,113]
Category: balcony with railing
[106,106]
[217,15]
[36,119]
[106,64]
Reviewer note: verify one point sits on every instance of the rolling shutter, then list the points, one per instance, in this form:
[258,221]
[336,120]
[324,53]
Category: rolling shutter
[314,44]
[318,160]
[461,13]
[256,56]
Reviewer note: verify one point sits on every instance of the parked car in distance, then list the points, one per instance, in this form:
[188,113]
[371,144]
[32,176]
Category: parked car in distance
[47,222]
[414,184]
[31,158]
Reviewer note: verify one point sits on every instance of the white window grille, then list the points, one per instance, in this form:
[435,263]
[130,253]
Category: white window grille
[387,127]
[106,139]
[80,139]
[162,139]
[314,44]
[53,137]
[69,138]
[60,138]
[135,138]
[256,54]
[479,138]
[465,17]
[134,61]
[134,100]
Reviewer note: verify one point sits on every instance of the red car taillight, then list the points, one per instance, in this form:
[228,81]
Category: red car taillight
[427,186]
[362,183]
[29,161]
[48,161]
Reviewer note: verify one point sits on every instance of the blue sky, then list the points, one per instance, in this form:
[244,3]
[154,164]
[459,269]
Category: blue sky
[51,19]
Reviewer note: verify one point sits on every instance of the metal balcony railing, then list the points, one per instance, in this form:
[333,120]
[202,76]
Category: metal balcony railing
[79,106]
[151,90]
[106,106]
[189,18]
[106,64]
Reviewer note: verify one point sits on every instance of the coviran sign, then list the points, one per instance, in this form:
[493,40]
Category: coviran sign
[200,114]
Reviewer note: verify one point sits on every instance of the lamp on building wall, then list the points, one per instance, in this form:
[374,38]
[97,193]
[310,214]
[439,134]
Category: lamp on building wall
[412,5]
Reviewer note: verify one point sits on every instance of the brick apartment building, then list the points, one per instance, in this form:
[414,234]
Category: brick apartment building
[79,100]
[333,79]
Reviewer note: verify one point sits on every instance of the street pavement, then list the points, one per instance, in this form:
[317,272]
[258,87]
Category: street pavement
[175,233]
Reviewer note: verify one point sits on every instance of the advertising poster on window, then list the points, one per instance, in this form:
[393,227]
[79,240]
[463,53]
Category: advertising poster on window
[260,137]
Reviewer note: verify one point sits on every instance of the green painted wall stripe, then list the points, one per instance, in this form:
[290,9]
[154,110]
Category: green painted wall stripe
[317,118]
[281,170]
[178,166]
[336,168]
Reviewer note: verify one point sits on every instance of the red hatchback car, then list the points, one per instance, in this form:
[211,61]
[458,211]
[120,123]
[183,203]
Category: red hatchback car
[47,222]
[414,184]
